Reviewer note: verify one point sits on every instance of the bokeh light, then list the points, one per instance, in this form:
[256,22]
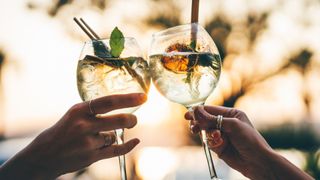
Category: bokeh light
[271,71]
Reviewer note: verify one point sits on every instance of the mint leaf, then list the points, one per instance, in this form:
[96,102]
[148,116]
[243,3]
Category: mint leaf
[116,42]
[188,78]
[193,45]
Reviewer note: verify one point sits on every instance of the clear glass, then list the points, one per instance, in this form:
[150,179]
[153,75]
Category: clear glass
[96,78]
[185,67]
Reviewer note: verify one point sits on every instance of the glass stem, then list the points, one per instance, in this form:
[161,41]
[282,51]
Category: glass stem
[204,139]
[122,160]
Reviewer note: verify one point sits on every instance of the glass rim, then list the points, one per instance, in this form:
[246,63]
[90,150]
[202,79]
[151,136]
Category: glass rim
[106,39]
[182,27]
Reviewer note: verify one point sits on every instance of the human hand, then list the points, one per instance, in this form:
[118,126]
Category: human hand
[76,141]
[240,145]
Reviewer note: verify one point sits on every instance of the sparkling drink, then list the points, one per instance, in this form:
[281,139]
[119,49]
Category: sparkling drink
[101,74]
[185,66]
[112,76]
[186,78]
[111,66]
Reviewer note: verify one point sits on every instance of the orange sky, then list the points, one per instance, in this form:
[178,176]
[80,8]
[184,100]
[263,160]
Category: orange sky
[42,52]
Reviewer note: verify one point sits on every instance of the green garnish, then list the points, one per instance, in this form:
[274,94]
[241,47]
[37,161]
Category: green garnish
[193,45]
[116,42]
[103,55]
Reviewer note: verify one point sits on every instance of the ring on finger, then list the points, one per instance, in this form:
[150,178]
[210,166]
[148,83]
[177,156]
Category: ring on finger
[90,107]
[108,139]
[190,126]
[219,122]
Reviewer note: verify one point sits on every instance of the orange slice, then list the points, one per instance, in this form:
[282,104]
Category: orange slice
[179,63]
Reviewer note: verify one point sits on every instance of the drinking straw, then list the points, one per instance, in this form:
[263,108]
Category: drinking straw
[195,11]
[194,19]
[93,33]
[83,28]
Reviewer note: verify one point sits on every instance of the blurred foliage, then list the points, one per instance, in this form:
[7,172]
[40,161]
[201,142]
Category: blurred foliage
[2,57]
[302,137]
[255,24]
[300,60]
[313,164]
[1,60]
[164,20]
[287,136]
[58,4]
[166,16]
[219,30]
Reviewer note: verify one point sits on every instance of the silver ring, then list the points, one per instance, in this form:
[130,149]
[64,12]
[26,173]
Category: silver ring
[90,108]
[107,140]
[190,126]
[219,122]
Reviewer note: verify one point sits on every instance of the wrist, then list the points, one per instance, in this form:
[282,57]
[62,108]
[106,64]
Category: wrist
[22,167]
[261,168]
[281,168]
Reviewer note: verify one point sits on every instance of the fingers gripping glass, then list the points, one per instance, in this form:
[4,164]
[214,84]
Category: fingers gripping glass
[97,77]
[186,70]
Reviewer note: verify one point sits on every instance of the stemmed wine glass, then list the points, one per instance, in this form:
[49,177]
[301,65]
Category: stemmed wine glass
[185,67]
[97,77]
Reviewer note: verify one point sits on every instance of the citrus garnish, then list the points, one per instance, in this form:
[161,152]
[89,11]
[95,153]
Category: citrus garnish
[179,63]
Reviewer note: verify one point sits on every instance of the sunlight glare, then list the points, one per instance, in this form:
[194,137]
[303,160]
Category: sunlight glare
[155,163]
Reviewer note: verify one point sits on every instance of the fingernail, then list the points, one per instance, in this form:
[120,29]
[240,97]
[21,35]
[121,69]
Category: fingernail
[216,135]
[136,141]
[217,143]
[143,96]
[191,128]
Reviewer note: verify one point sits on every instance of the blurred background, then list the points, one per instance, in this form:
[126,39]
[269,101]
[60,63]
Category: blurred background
[271,70]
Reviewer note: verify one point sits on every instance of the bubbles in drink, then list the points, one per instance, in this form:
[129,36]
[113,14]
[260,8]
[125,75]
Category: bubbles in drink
[97,79]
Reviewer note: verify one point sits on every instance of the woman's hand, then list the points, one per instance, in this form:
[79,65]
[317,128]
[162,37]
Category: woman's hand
[76,140]
[240,145]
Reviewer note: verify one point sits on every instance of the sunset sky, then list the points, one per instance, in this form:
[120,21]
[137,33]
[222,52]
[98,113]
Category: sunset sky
[41,53]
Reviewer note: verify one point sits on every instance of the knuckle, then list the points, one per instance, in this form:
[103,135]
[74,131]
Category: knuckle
[87,142]
[125,120]
[240,112]
[111,102]
[233,112]
[81,126]
[75,108]
[234,123]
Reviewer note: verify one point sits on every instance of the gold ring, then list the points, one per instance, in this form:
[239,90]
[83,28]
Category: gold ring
[219,122]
